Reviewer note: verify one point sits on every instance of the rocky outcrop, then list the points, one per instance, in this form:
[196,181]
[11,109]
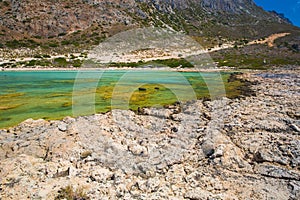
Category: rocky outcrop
[233,6]
[222,149]
[58,18]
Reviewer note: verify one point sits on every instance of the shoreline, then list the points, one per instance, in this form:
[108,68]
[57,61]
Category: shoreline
[219,69]
[245,90]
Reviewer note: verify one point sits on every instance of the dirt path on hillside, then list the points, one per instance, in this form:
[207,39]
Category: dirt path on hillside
[269,40]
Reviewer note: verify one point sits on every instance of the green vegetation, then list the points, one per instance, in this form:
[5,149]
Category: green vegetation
[65,42]
[14,44]
[173,63]
[28,43]
[60,62]
[256,57]
[53,44]
[41,60]
[5,3]
[32,63]
[76,63]
[249,62]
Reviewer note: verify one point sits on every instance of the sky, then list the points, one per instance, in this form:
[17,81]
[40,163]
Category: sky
[290,8]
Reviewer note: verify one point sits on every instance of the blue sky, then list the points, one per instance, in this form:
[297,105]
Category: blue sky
[290,8]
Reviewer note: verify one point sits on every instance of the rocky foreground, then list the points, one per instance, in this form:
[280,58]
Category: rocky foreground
[247,148]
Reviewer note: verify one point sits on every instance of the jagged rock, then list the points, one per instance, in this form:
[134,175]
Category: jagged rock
[278,172]
[263,155]
[295,188]
[219,151]
[295,128]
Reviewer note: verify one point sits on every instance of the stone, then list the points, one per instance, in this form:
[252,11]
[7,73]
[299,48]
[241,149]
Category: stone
[138,150]
[198,194]
[62,127]
[295,128]
[219,151]
[295,188]
[278,172]
[153,184]
[85,154]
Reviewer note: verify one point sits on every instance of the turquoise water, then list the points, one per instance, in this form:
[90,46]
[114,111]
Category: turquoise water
[56,94]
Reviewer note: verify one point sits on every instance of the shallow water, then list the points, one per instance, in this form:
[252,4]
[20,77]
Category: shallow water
[56,94]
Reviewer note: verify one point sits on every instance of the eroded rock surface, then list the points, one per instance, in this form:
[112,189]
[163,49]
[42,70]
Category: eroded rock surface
[247,148]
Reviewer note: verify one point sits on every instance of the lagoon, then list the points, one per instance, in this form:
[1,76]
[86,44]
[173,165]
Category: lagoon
[56,94]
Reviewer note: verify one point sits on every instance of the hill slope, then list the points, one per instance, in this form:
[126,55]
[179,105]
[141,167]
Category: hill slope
[74,25]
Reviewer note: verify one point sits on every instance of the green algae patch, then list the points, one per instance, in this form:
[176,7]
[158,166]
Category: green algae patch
[11,95]
[9,107]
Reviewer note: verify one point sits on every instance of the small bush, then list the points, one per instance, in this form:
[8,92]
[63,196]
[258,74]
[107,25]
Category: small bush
[46,56]
[38,56]
[5,3]
[38,37]
[61,62]
[31,63]
[69,194]
[13,44]
[77,63]
[175,63]
[65,42]
[53,45]
[61,34]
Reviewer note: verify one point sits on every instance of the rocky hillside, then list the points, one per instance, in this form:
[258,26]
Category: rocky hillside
[89,21]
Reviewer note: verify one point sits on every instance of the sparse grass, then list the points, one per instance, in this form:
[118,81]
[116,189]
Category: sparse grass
[69,193]
[256,57]
[28,43]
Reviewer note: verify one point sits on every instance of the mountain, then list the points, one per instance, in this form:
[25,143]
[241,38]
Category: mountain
[73,25]
[52,18]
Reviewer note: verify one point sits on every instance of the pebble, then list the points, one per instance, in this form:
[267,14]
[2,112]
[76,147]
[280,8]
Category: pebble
[62,127]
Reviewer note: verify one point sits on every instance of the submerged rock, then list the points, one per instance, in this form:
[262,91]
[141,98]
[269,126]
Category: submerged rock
[142,89]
